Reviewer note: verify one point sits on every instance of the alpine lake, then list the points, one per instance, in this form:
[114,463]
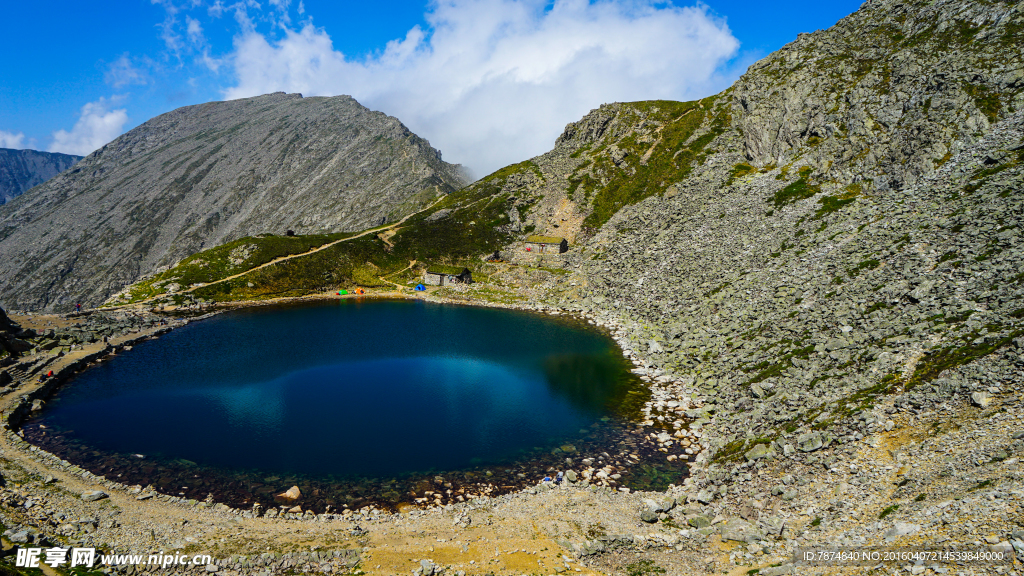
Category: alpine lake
[358,402]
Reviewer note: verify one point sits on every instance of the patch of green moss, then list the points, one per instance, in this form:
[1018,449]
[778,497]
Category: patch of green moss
[938,361]
[611,187]
[981,485]
[869,264]
[798,190]
[643,568]
[769,370]
[985,100]
[580,151]
[739,171]
[1013,33]
[961,317]
[982,173]
[714,291]
[888,510]
[830,204]
[730,451]
[961,32]
[502,174]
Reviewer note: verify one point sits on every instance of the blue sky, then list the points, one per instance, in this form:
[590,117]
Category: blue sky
[488,82]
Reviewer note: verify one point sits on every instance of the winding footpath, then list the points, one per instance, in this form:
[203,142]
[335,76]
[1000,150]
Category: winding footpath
[377,230]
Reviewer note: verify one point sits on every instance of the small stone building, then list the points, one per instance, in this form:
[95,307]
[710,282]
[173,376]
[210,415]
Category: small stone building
[546,245]
[444,275]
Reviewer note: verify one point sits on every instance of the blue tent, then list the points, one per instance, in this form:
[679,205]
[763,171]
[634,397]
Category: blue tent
[420,287]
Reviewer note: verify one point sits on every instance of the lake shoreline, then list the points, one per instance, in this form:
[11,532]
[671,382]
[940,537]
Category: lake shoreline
[738,515]
[588,474]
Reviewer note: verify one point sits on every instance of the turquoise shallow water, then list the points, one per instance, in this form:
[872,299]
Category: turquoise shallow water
[346,389]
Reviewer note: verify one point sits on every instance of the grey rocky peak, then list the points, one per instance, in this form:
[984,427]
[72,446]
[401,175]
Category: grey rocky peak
[23,169]
[885,95]
[203,175]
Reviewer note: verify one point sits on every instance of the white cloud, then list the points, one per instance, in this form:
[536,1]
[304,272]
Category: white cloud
[194,30]
[168,28]
[96,126]
[12,140]
[216,9]
[492,82]
[122,72]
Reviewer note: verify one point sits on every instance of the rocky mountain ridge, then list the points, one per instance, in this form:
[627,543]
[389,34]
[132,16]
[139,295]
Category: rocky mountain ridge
[23,169]
[203,175]
[839,278]
[802,254]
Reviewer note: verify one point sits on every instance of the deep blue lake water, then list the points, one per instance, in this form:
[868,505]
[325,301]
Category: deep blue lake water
[346,389]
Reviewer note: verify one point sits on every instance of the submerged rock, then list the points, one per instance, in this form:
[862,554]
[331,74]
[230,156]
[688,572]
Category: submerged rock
[288,496]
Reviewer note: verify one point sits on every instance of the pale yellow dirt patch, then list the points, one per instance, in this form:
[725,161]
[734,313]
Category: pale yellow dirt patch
[490,549]
[40,322]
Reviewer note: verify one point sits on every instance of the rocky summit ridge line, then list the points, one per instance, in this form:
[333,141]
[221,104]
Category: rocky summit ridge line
[203,175]
[23,169]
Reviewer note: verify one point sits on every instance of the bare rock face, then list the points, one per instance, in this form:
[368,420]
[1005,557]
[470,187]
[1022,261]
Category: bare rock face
[203,175]
[23,169]
[6,324]
[887,95]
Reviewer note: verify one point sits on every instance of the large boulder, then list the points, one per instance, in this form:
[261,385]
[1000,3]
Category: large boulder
[699,521]
[810,442]
[9,332]
[648,515]
[13,346]
[6,324]
[740,531]
[901,529]
[758,451]
[981,399]
[93,495]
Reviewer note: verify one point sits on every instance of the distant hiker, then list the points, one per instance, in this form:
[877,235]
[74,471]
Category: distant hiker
[558,479]
[78,308]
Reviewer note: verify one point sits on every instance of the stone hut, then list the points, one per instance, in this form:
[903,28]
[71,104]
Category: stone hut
[438,275]
[546,245]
